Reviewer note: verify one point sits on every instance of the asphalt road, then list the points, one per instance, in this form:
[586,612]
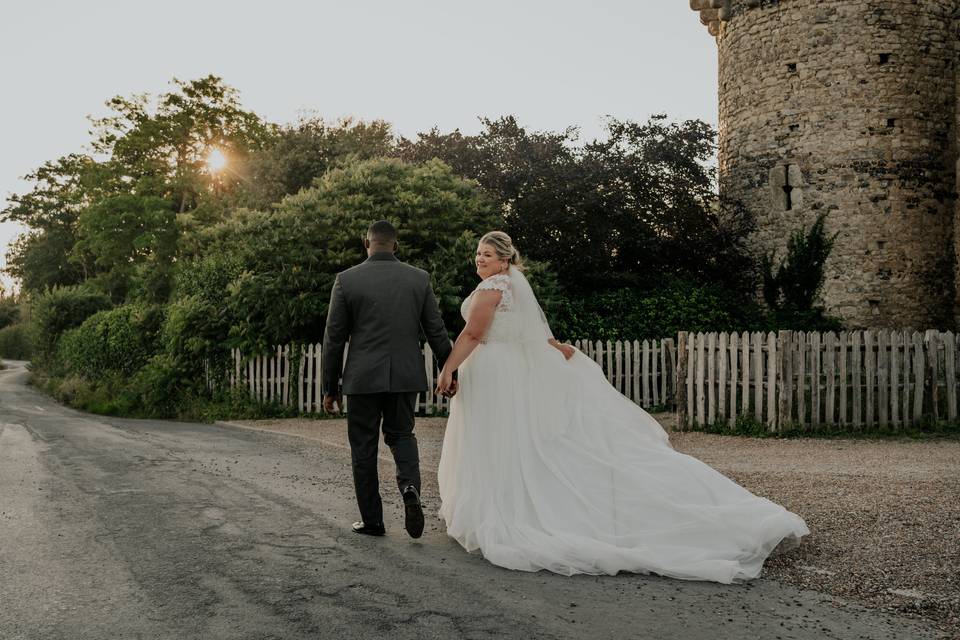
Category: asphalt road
[116,528]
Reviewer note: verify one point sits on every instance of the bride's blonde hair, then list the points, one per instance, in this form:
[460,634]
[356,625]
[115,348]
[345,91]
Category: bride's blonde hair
[503,246]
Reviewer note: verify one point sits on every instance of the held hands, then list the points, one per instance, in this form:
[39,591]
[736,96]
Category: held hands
[446,385]
[329,400]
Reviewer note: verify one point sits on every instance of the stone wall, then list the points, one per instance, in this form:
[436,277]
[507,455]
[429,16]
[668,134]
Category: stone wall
[848,107]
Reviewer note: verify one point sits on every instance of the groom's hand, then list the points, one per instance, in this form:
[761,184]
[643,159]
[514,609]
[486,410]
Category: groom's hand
[452,389]
[444,383]
[329,400]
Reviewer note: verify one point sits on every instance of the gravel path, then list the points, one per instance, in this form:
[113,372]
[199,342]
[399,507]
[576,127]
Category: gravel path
[884,514]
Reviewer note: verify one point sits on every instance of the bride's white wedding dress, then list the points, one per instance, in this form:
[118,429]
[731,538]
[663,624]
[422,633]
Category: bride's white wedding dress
[546,466]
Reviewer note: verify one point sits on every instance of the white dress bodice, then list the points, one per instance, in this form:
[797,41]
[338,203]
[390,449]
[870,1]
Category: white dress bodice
[506,325]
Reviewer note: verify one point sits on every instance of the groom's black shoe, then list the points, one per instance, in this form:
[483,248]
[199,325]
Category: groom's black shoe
[369,529]
[413,512]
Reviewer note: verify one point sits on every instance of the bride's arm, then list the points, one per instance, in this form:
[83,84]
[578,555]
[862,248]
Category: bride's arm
[482,309]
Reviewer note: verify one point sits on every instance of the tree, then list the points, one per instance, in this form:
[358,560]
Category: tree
[122,233]
[790,289]
[298,154]
[291,255]
[62,190]
[624,212]
[9,310]
[656,192]
[161,150]
[141,150]
[41,260]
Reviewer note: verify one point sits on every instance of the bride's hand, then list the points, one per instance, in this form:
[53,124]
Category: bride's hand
[444,382]
[567,350]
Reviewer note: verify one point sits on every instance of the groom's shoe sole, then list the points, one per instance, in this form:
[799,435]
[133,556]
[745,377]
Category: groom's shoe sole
[413,513]
[368,529]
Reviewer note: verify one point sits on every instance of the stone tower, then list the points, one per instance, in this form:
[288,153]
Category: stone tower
[848,107]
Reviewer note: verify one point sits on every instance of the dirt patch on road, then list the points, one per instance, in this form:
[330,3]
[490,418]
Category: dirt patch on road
[884,514]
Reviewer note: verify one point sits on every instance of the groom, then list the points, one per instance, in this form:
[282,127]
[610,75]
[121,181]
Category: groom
[380,305]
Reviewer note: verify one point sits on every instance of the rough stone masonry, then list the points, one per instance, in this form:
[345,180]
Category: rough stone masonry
[848,107]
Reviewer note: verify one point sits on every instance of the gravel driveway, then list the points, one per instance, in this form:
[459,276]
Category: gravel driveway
[884,514]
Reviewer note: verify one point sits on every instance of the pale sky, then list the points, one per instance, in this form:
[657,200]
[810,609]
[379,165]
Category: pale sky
[415,63]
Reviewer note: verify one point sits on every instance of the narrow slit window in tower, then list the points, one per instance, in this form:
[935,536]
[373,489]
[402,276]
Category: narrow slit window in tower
[787,191]
[785,183]
[884,58]
[791,67]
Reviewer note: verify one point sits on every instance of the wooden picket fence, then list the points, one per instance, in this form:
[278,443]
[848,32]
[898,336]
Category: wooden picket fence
[643,371]
[859,379]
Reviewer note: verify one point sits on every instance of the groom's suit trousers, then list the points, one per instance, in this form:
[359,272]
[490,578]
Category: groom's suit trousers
[394,412]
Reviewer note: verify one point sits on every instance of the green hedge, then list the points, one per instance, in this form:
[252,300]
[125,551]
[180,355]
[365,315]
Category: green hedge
[59,310]
[627,314]
[115,342]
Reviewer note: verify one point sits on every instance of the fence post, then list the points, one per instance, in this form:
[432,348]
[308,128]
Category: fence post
[722,377]
[671,358]
[772,370]
[919,375]
[950,370]
[784,347]
[428,364]
[734,377]
[711,379]
[680,381]
[301,400]
[318,378]
[830,373]
[286,375]
[883,377]
[815,369]
[870,371]
[801,364]
[699,416]
[933,371]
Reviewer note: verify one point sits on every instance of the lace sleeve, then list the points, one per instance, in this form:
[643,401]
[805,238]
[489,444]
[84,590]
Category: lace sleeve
[499,283]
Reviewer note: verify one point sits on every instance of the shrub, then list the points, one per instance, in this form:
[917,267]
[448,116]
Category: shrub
[159,388]
[59,310]
[194,331]
[634,315]
[68,389]
[15,342]
[9,311]
[790,288]
[114,342]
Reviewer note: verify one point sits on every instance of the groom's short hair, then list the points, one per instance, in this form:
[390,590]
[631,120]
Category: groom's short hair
[382,232]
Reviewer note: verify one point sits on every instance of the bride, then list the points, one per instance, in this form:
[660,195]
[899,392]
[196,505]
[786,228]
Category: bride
[546,466]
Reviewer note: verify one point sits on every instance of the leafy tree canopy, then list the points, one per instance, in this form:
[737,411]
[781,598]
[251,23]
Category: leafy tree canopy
[290,256]
[625,211]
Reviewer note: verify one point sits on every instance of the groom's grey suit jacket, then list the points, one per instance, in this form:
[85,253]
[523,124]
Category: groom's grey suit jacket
[380,305]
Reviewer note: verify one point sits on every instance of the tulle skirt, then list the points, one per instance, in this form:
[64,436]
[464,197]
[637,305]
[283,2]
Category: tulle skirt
[546,466]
